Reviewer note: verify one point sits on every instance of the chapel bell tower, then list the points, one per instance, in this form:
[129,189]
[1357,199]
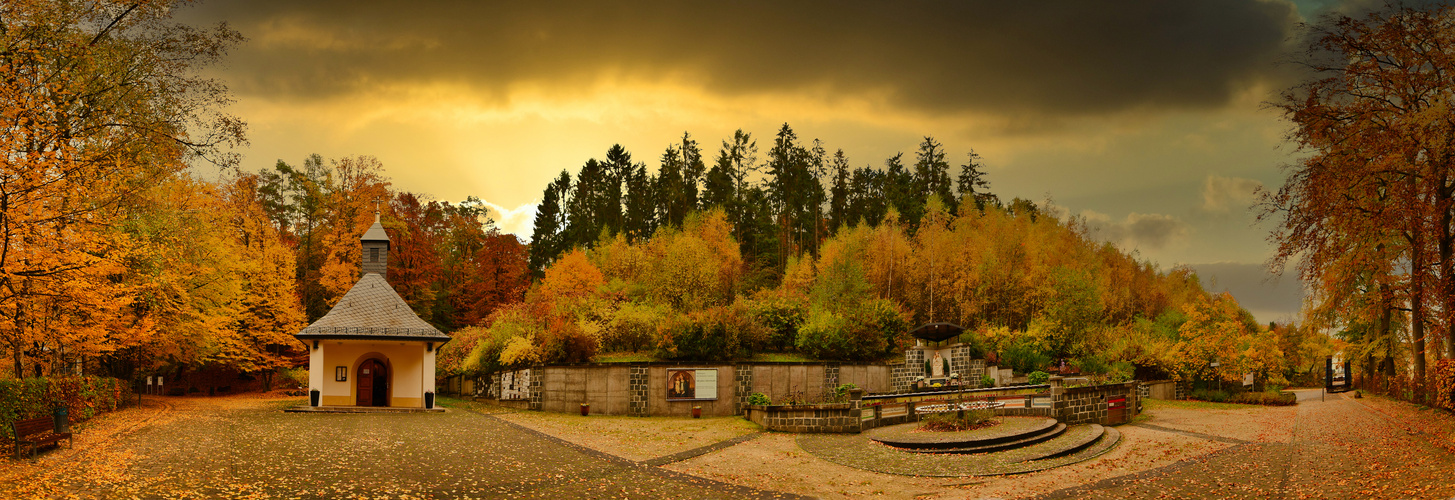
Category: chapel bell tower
[376,250]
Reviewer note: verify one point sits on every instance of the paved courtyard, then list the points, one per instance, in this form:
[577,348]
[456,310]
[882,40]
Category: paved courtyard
[238,447]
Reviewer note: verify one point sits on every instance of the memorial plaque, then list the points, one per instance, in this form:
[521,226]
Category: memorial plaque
[693,384]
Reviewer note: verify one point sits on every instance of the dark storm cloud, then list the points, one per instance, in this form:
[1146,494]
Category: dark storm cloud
[1268,297]
[1078,57]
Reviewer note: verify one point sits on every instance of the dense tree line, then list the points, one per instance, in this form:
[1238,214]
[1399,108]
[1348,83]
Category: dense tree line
[788,203]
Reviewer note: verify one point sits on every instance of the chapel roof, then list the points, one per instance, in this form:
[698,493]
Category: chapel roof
[372,310]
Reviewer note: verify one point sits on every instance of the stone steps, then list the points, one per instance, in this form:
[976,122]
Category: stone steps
[1011,430]
[1072,444]
[1023,441]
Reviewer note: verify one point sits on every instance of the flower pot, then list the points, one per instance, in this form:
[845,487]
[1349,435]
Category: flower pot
[585,408]
[313,397]
[428,400]
[697,412]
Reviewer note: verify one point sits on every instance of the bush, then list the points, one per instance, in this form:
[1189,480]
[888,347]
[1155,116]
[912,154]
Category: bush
[1442,379]
[83,397]
[1038,377]
[759,399]
[956,421]
[782,315]
[632,328]
[1210,395]
[1269,398]
[296,377]
[1025,357]
[713,334]
[987,381]
[868,331]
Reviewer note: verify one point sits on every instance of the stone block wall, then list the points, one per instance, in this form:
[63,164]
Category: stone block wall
[1088,405]
[835,417]
[537,396]
[639,393]
[900,377]
[960,360]
[830,379]
[743,376]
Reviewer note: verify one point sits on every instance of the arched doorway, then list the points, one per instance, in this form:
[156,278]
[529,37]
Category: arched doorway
[373,383]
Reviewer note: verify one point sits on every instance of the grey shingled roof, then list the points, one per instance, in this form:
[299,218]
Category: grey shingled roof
[372,309]
[375,232]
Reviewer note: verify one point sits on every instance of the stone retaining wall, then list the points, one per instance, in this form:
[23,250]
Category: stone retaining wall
[1088,405]
[640,389]
[819,418]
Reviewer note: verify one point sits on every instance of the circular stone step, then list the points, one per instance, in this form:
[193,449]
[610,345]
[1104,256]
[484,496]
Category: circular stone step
[1010,429]
[854,450]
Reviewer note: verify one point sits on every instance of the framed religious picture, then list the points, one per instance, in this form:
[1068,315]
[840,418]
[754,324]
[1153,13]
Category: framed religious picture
[691,384]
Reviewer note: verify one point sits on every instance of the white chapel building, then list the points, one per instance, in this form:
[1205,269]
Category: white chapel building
[371,349]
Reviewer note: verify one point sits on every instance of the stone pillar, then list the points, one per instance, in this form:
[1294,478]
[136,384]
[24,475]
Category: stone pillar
[743,375]
[537,395]
[638,391]
[830,379]
[856,409]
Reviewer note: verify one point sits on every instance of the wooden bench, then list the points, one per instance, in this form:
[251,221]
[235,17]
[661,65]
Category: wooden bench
[36,432]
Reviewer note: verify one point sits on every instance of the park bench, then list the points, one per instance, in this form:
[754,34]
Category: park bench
[36,432]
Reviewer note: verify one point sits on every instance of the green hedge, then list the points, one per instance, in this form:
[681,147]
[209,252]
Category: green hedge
[83,397]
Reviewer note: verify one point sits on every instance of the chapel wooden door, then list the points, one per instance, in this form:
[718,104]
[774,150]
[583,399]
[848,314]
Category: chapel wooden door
[371,378]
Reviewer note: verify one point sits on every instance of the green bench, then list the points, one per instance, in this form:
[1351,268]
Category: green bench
[36,432]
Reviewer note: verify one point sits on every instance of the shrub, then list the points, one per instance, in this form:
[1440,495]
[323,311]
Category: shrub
[1025,357]
[713,334]
[1210,395]
[782,315]
[759,399]
[1038,377]
[1269,398]
[83,397]
[987,381]
[868,331]
[632,328]
[956,420]
[1443,381]
[297,377]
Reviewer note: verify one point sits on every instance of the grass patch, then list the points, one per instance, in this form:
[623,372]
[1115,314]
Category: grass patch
[1155,404]
[781,357]
[625,357]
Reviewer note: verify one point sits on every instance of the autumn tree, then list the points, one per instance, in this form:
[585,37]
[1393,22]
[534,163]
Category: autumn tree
[1374,198]
[99,100]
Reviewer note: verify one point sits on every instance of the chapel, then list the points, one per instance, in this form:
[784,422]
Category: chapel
[371,349]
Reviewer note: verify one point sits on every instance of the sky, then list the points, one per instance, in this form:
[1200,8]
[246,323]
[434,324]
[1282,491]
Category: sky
[1149,119]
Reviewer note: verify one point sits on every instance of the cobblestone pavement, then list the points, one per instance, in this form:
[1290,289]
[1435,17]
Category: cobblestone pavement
[1337,448]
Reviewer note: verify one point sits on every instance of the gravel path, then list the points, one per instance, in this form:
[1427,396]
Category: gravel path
[1337,448]
[222,448]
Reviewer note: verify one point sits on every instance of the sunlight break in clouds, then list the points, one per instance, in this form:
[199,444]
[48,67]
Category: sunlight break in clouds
[519,221]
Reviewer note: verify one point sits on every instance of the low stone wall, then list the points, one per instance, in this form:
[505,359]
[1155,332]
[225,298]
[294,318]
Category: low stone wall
[891,409]
[1088,405]
[818,418]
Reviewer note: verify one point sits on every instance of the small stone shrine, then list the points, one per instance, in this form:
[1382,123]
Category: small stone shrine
[938,359]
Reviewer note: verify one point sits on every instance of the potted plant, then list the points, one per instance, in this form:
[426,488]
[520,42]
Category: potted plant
[313,397]
[585,408]
[696,412]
